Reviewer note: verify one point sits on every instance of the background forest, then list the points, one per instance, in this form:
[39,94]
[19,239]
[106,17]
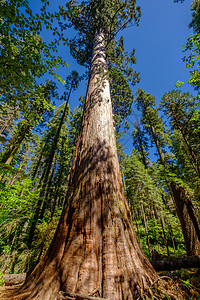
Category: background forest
[38,139]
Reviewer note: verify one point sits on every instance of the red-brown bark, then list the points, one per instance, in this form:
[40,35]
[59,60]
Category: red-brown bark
[95,246]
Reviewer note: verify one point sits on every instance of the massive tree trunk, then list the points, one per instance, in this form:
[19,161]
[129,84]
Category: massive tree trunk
[95,246]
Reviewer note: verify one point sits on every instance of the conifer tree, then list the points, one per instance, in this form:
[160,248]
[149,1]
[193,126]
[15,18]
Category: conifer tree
[145,196]
[181,109]
[153,124]
[185,209]
[140,143]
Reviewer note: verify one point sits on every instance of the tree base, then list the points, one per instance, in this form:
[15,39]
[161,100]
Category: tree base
[163,287]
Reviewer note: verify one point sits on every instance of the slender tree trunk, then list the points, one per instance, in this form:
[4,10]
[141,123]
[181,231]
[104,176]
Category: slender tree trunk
[146,228]
[38,206]
[7,125]
[55,141]
[57,189]
[172,235]
[164,235]
[40,157]
[95,246]
[46,194]
[156,141]
[141,146]
[195,161]
[138,231]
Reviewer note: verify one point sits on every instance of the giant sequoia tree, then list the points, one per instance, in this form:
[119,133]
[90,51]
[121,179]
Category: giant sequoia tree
[95,250]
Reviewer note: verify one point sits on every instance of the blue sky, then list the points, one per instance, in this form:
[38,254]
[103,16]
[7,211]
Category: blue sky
[158,41]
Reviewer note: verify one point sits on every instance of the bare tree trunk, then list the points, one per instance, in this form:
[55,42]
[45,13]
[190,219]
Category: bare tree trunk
[95,246]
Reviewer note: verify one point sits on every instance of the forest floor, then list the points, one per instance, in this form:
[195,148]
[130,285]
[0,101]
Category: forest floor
[186,280]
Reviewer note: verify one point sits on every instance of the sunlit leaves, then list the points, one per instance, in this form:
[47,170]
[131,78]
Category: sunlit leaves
[24,56]
[193,59]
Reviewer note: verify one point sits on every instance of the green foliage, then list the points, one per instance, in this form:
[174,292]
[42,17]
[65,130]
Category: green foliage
[17,202]
[1,279]
[35,111]
[181,110]
[183,167]
[187,283]
[121,95]
[143,188]
[179,84]
[7,170]
[75,124]
[26,105]
[140,142]
[43,236]
[195,23]
[192,60]
[193,46]
[24,56]
[153,125]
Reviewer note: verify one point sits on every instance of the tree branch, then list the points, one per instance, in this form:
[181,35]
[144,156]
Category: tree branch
[115,33]
[121,7]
